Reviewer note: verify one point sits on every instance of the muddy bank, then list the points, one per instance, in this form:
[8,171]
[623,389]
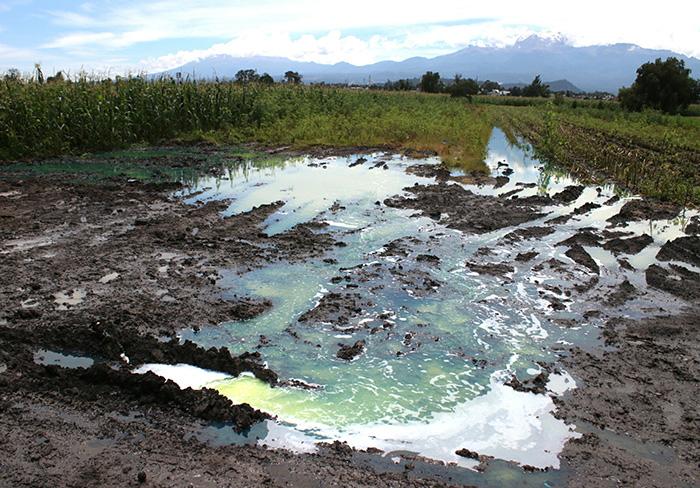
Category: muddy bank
[131,253]
[640,398]
[54,440]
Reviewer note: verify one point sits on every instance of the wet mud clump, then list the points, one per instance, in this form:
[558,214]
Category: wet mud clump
[150,389]
[581,256]
[537,384]
[624,292]
[569,194]
[693,226]
[686,249]
[632,245]
[437,171]
[463,210]
[528,233]
[493,269]
[349,353]
[644,209]
[524,257]
[336,308]
[676,280]
[582,238]
[585,208]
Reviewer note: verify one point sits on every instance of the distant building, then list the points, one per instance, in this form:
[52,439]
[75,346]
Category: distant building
[499,93]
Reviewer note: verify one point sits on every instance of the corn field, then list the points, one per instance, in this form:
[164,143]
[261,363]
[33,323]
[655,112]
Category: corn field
[48,119]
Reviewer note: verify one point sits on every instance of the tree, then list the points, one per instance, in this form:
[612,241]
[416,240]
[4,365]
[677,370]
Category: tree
[400,85]
[463,88]
[292,78]
[489,86]
[536,88]
[38,74]
[430,83]
[246,76]
[13,74]
[266,79]
[57,78]
[662,85]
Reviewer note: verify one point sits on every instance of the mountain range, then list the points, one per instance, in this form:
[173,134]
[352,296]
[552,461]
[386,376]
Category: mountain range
[590,68]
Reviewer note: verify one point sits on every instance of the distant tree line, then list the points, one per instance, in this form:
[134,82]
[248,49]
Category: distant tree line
[662,85]
[431,82]
[247,76]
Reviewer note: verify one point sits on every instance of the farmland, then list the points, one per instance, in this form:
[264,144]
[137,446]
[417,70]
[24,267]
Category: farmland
[649,153]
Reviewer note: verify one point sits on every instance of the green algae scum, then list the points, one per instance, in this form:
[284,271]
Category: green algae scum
[434,341]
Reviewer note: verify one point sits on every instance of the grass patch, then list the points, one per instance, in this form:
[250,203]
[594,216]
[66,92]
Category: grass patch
[42,120]
[648,153]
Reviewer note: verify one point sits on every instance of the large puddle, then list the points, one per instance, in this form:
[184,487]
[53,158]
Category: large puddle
[430,378]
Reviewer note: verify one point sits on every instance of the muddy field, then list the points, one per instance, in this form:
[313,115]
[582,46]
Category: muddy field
[112,269]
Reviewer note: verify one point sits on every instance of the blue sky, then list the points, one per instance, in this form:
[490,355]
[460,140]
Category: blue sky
[151,36]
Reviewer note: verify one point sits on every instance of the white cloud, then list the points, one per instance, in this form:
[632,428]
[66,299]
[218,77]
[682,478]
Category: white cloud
[10,55]
[311,30]
[80,39]
[328,49]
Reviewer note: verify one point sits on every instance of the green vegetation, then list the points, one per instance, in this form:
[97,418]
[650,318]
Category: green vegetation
[430,83]
[247,76]
[41,119]
[645,152]
[463,88]
[661,85]
[292,78]
[534,89]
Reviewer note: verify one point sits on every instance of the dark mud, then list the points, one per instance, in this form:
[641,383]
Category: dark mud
[693,226]
[493,269]
[336,308]
[676,280]
[624,293]
[686,249]
[350,352]
[581,256]
[537,384]
[641,397]
[644,209]
[113,270]
[528,233]
[632,245]
[463,210]
[582,238]
[569,194]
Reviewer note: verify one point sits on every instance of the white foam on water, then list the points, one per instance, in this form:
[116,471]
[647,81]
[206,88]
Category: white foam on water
[340,224]
[282,436]
[560,383]
[185,375]
[504,423]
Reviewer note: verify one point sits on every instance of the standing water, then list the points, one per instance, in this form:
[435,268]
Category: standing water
[440,341]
